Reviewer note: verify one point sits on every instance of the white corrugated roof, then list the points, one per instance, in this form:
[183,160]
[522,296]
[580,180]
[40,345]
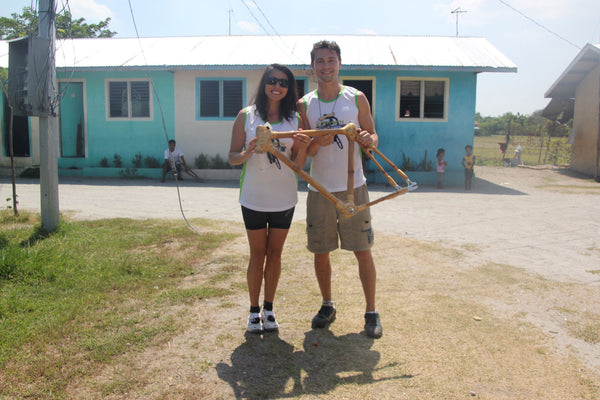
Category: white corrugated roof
[376,52]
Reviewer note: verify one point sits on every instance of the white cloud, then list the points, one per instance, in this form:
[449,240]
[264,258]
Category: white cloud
[248,27]
[90,10]
[365,31]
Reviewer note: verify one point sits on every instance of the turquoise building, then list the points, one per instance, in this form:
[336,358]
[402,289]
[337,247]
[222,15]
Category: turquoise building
[124,98]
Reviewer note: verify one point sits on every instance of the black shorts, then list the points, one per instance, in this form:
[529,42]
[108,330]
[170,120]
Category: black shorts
[255,220]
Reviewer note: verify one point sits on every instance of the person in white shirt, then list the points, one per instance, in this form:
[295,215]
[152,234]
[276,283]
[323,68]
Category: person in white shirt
[173,159]
[333,105]
[268,188]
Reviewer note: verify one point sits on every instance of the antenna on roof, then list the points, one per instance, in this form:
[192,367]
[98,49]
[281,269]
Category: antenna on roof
[230,11]
[457,11]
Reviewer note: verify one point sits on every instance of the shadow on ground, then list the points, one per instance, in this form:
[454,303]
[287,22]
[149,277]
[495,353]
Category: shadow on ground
[267,367]
[480,186]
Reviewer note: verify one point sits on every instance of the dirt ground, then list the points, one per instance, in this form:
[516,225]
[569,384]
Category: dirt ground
[542,219]
[536,231]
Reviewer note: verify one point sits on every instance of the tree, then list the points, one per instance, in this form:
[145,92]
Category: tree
[26,23]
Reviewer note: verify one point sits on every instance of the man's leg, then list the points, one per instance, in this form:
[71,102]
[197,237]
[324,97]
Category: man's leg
[165,170]
[368,276]
[326,314]
[323,274]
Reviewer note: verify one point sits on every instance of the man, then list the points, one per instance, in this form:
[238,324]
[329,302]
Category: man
[175,156]
[331,106]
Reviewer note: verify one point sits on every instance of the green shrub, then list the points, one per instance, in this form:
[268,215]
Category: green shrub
[137,160]
[407,164]
[151,162]
[31,172]
[426,165]
[218,162]
[129,173]
[117,161]
[202,161]
[104,162]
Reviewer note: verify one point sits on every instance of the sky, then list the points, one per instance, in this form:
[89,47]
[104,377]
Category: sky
[542,37]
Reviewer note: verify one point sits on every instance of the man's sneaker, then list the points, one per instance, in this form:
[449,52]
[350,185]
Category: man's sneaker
[324,317]
[269,322]
[254,325]
[373,326]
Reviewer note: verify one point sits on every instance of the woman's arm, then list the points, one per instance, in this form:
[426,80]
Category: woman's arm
[237,154]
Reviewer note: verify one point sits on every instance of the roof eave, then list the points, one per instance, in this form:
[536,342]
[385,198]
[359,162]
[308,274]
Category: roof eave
[554,89]
[419,68]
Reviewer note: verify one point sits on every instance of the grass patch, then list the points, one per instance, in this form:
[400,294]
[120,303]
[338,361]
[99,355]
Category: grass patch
[90,291]
[535,152]
[161,314]
[586,328]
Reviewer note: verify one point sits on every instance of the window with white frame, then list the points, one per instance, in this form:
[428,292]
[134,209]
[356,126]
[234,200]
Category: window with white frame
[422,98]
[129,99]
[219,98]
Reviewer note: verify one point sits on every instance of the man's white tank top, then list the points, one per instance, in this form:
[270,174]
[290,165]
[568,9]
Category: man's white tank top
[268,185]
[329,164]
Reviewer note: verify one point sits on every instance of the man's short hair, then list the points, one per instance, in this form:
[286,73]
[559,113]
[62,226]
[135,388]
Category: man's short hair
[172,141]
[325,44]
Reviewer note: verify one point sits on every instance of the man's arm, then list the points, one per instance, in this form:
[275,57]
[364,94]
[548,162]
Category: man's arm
[316,142]
[184,163]
[367,136]
[301,143]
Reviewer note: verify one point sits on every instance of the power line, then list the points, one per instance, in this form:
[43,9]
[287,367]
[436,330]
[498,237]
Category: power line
[288,49]
[254,16]
[162,116]
[538,24]
[265,17]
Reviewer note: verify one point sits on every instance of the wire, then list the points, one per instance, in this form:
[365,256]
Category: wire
[265,17]
[288,50]
[162,116]
[538,24]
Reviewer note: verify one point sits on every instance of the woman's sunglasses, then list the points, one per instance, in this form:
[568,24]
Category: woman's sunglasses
[284,83]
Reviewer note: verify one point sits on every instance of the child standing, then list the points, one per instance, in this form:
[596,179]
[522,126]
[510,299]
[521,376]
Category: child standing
[468,162]
[441,167]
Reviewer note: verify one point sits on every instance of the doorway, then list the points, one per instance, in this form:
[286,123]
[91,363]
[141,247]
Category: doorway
[72,138]
[20,135]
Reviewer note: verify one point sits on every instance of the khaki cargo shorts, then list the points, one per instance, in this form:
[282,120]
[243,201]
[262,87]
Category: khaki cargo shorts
[325,224]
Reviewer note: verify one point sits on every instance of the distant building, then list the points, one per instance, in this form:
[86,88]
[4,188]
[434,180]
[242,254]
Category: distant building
[576,94]
[127,96]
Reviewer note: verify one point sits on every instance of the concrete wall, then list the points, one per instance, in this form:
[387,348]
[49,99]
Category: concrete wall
[177,103]
[585,124]
[106,137]
[207,136]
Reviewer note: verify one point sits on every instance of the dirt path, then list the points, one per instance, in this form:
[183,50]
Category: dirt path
[522,248]
[544,220]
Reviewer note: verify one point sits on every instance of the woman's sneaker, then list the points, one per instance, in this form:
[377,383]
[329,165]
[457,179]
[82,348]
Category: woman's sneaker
[254,325]
[269,322]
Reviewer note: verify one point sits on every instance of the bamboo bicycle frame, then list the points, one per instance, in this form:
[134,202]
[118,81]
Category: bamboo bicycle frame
[264,143]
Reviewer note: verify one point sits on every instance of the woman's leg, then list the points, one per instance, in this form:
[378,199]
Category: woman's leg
[275,241]
[257,240]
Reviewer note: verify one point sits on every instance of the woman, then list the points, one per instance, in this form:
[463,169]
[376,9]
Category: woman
[268,188]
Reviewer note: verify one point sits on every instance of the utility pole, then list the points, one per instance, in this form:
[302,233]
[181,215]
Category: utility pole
[48,121]
[457,12]
[230,11]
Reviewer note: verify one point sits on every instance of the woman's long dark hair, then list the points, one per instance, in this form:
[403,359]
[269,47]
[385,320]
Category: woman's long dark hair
[287,108]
